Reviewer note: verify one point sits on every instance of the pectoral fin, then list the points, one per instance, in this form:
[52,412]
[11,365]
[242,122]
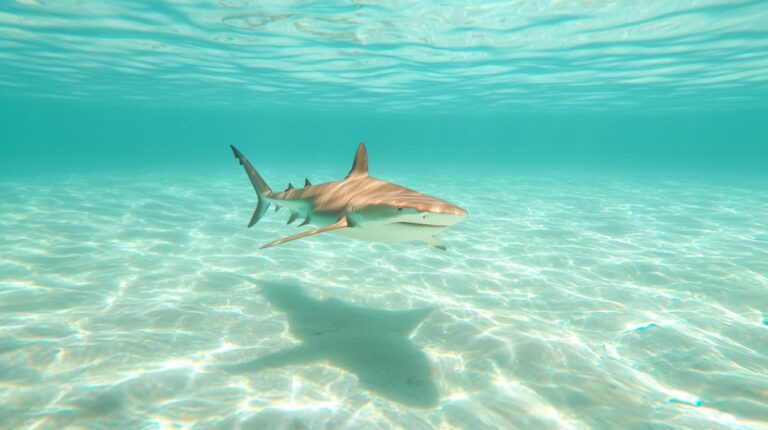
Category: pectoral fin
[342,223]
[432,240]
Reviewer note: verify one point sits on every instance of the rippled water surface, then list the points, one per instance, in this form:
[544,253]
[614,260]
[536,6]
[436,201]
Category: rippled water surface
[391,55]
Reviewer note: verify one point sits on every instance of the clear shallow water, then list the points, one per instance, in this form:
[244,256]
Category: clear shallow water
[570,302]
[611,155]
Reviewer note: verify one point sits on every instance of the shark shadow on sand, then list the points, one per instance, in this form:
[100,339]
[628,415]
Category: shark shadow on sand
[373,344]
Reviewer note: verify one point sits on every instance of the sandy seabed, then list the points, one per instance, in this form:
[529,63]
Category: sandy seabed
[598,302]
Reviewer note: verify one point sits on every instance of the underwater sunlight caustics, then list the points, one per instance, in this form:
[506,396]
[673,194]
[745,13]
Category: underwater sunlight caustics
[358,206]
[613,274]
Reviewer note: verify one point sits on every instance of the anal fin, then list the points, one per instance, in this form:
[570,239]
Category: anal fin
[342,223]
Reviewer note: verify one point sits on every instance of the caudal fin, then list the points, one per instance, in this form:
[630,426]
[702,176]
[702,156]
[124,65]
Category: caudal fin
[261,187]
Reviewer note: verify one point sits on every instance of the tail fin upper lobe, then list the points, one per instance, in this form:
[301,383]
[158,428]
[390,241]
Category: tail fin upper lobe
[261,187]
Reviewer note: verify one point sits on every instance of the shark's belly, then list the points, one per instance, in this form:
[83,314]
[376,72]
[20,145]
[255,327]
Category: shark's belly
[390,232]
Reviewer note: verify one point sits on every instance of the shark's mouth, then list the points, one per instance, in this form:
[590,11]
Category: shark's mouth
[416,224]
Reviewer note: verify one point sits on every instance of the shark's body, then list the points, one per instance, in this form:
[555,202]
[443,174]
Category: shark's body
[372,344]
[358,206]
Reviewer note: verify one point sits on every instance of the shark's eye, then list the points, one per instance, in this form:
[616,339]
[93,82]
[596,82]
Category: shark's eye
[400,209]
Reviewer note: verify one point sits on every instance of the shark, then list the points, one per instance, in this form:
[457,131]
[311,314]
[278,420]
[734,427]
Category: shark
[373,344]
[358,206]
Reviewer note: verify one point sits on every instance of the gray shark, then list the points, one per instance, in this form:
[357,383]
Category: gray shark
[373,344]
[358,206]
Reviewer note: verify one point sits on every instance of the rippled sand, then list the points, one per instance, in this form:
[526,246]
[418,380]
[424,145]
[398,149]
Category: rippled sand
[561,303]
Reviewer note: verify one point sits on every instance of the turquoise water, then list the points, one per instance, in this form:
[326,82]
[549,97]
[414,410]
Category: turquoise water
[612,272]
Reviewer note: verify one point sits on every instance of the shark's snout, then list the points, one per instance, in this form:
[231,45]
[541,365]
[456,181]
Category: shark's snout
[456,211]
[439,207]
[444,215]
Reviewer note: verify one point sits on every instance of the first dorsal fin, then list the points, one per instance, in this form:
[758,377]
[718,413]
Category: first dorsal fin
[360,166]
[307,184]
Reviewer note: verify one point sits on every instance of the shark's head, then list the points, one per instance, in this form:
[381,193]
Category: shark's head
[410,209]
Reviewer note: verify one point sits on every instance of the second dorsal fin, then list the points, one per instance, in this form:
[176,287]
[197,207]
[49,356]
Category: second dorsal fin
[360,165]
